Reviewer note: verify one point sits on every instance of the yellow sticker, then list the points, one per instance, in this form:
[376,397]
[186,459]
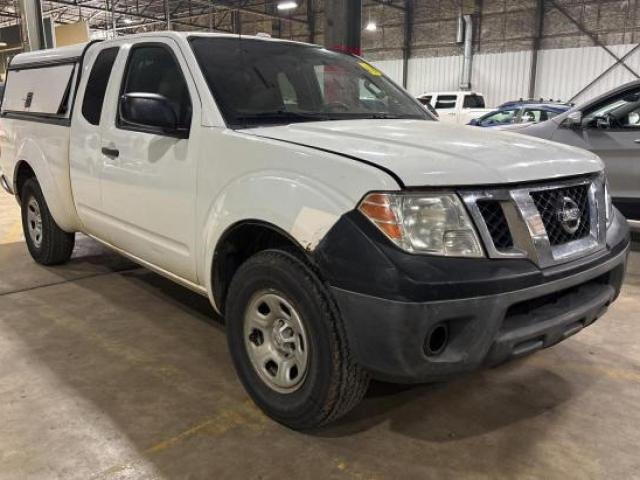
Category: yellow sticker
[371,69]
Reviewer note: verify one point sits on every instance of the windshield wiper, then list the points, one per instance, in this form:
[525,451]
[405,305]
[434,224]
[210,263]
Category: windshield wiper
[283,115]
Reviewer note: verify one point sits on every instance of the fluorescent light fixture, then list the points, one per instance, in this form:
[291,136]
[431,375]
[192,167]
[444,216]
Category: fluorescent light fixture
[128,21]
[287,5]
[371,27]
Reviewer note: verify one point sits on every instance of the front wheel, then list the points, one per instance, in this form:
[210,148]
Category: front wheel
[48,244]
[288,343]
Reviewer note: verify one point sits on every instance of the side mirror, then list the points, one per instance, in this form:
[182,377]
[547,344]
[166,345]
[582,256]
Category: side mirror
[474,122]
[150,112]
[603,122]
[573,120]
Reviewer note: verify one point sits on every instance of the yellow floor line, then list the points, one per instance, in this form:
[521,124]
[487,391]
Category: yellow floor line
[244,415]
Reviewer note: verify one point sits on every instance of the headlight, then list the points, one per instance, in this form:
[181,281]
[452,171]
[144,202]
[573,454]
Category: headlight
[608,204]
[436,224]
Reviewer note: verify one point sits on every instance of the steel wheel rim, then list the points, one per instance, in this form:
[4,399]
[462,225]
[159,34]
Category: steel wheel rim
[34,222]
[276,341]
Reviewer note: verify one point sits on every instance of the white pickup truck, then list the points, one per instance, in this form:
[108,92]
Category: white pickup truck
[456,107]
[342,232]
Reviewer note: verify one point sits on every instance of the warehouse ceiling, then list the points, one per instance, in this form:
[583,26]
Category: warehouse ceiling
[130,16]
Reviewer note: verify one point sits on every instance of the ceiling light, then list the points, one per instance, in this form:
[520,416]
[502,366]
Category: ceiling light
[287,5]
[128,21]
[371,27]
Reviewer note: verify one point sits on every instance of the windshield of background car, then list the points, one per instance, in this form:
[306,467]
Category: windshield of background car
[259,82]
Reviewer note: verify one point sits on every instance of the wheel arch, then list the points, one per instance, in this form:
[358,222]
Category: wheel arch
[22,172]
[238,243]
[51,170]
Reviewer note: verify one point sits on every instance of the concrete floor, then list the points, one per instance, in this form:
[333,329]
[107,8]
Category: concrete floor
[108,371]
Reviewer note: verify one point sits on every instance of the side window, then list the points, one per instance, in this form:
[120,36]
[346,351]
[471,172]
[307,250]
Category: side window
[621,112]
[97,85]
[473,101]
[503,117]
[446,101]
[154,69]
[532,115]
[289,96]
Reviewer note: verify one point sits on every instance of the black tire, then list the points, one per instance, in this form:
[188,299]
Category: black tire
[55,245]
[334,383]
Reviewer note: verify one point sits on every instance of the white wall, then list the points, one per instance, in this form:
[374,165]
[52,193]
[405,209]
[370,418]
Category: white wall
[561,73]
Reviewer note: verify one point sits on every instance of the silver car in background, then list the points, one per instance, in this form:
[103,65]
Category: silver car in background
[609,126]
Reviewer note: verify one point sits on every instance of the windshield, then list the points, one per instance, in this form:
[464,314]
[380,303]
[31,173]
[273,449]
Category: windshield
[257,82]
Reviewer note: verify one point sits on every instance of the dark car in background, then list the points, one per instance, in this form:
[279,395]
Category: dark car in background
[520,112]
[531,101]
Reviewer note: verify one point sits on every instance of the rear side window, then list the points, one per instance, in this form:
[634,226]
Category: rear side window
[97,85]
[473,101]
[446,101]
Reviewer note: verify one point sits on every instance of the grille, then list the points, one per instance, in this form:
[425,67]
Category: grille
[496,222]
[549,202]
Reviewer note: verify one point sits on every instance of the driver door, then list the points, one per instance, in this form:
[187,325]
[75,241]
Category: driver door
[149,178]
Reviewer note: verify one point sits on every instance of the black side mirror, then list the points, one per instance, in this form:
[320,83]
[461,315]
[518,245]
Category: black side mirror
[474,122]
[149,112]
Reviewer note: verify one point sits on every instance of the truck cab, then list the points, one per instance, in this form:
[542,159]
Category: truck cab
[456,107]
[341,231]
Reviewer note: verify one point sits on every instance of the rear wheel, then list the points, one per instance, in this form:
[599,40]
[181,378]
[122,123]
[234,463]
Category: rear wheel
[288,343]
[48,244]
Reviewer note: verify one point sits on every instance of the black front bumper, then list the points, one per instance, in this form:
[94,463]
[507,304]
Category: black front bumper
[494,310]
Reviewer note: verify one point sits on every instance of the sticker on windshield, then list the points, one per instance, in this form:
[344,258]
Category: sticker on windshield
[371,69]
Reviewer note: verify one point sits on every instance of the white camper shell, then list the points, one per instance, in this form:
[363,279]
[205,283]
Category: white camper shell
[42,83]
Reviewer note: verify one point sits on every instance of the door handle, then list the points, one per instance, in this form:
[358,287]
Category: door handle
[111,152]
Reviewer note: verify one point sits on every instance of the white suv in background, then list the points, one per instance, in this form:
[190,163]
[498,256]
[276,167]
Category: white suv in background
[456,107]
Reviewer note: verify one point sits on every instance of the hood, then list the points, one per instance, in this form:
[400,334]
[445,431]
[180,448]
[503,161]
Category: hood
[429,153]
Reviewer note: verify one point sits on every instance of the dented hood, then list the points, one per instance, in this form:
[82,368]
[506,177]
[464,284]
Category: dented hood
[429,153]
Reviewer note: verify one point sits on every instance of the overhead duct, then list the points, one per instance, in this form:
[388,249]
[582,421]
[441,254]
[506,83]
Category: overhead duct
[466,24]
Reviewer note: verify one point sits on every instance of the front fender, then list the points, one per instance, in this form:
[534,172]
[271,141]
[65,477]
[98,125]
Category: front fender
[303,208]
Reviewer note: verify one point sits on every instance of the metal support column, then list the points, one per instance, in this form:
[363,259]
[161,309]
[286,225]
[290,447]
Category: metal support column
[167,14]
[32,28]
[343,25]
[114,22]
[533,73]
[408,39]
[236,22]
[311,19]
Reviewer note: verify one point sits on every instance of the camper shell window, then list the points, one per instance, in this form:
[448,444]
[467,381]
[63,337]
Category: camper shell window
[40,90]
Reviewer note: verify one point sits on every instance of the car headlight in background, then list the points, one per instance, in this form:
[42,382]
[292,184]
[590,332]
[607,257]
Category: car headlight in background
[608,204]
[435,224]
